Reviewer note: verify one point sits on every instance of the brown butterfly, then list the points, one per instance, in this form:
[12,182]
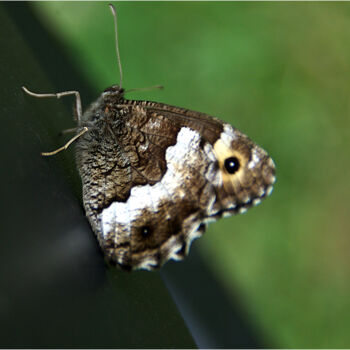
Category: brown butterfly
[154,175]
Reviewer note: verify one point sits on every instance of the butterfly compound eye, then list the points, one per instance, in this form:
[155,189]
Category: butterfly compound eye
[232,165]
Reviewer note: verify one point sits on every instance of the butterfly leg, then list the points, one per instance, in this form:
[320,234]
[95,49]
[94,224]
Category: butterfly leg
[82,132]
[79,114]
[59,95]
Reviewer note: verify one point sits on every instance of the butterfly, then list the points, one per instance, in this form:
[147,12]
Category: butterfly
[155,175]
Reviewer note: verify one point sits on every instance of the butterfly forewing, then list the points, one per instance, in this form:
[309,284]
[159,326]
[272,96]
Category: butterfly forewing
[154,175]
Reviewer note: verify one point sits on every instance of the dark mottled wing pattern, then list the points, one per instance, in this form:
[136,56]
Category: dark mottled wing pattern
[154,175]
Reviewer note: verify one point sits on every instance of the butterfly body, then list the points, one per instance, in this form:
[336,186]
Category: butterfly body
[154,175]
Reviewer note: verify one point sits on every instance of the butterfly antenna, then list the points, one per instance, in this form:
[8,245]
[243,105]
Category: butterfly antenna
[114,13]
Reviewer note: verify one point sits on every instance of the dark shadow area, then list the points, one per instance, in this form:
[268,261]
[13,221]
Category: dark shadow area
[213,319]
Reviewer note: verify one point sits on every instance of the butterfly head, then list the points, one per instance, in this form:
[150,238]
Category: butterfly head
[114,90]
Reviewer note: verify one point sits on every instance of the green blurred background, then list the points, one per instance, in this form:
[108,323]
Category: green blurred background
[280,73]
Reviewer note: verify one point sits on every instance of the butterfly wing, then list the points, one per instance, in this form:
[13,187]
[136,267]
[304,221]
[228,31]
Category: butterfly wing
[154,175]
